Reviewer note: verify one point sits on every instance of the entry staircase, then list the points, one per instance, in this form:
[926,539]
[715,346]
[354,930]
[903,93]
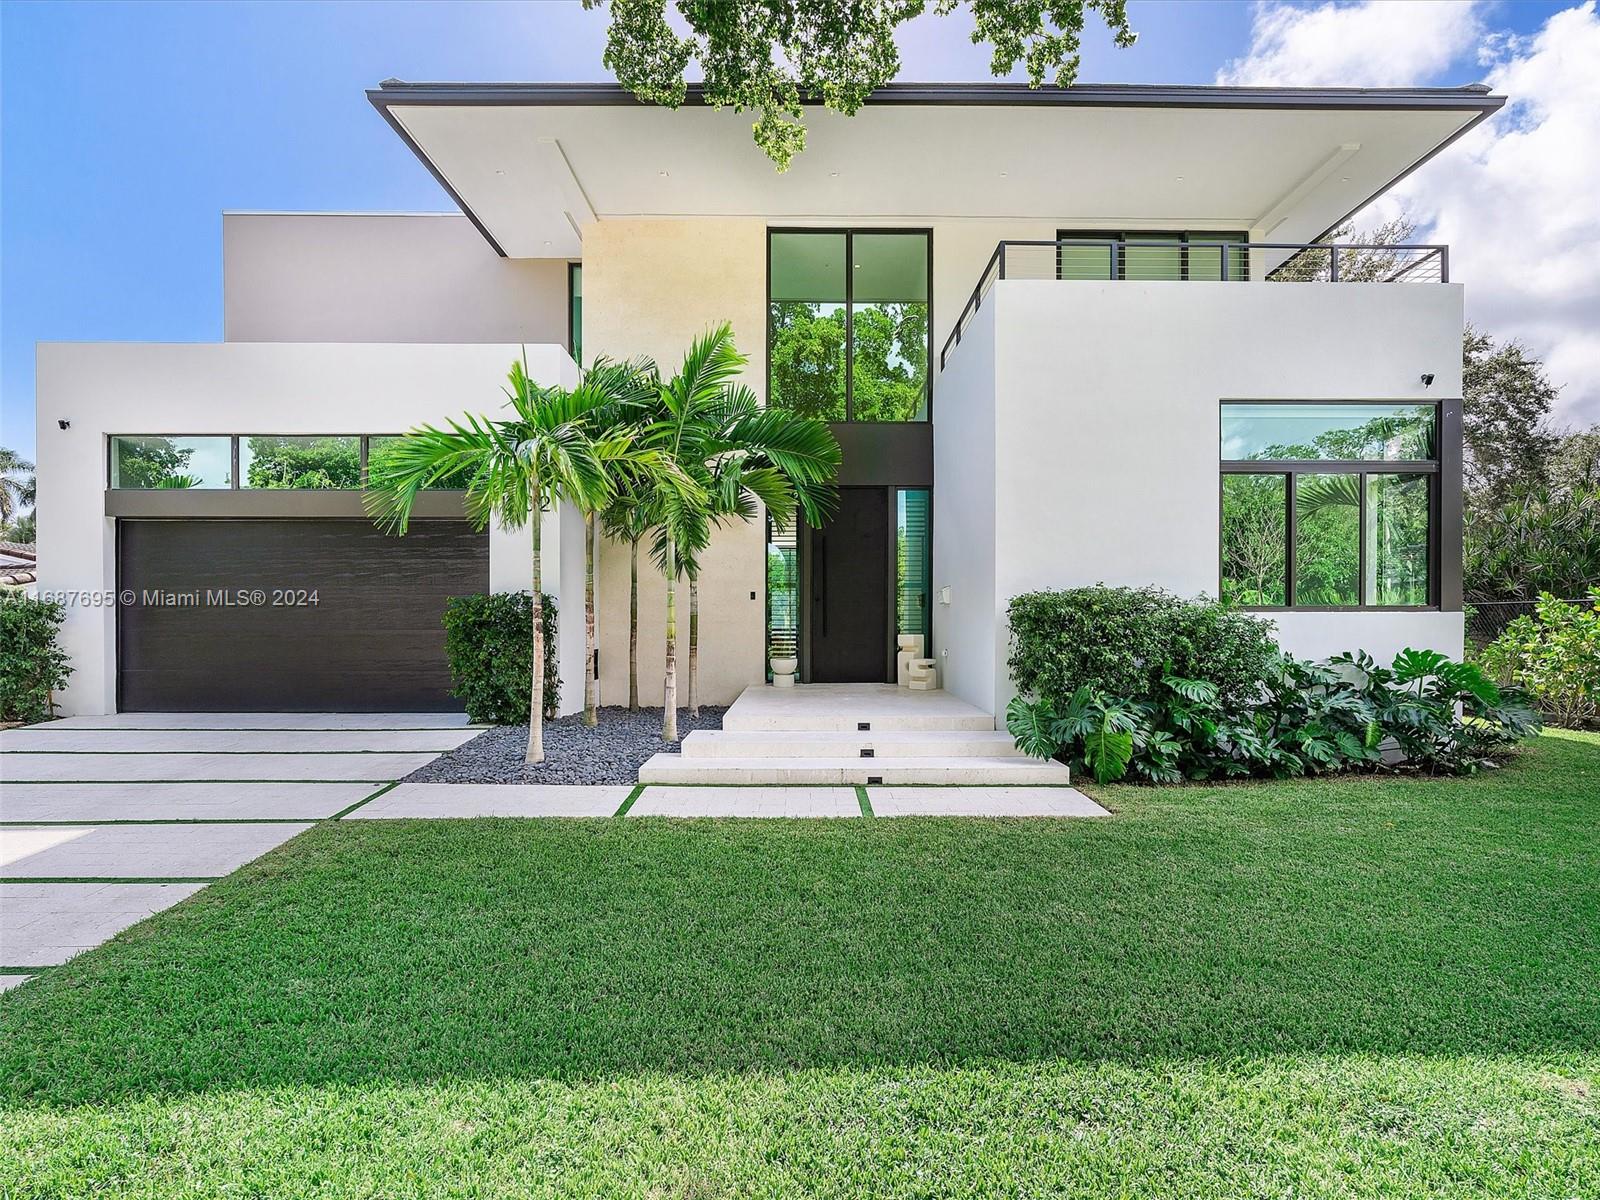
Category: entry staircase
[851,734]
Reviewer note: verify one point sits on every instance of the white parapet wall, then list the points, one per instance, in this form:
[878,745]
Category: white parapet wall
[101,389]
[1104,465]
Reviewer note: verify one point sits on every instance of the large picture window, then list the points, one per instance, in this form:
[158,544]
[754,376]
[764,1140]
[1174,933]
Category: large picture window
[1330,505]
[849,323]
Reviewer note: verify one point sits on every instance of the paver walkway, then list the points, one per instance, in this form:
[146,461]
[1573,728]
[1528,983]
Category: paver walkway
[105,821]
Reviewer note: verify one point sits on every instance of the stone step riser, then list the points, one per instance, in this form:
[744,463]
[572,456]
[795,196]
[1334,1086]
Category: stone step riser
[712,744]
[815,723]
[674,768]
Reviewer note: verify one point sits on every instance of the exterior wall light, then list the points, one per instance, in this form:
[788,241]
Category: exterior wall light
[65,424]
[1427,379]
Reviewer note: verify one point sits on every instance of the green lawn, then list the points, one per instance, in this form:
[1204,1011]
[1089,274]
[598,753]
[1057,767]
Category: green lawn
[1350,988]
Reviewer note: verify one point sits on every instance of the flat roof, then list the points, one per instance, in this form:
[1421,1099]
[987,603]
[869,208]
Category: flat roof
[531,164]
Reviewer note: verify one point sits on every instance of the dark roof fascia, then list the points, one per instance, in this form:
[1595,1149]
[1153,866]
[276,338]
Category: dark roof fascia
[1475,98]
[1094,95]
[422,157]
[1482,116]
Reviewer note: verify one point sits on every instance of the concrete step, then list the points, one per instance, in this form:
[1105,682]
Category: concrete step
[839,743]
[877,722]
[827,707]
[926,769]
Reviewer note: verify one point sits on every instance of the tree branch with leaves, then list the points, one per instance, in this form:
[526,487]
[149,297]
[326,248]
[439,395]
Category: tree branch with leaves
[768,58]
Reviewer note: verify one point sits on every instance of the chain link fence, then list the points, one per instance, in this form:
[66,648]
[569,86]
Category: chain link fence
[1487,619]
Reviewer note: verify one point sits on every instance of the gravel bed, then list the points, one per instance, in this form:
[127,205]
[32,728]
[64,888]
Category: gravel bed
[610,753]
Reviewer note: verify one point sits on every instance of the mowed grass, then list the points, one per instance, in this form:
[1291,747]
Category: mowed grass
[1339,988]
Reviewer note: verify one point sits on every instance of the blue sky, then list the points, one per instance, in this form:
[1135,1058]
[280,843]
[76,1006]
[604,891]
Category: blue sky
[127,129]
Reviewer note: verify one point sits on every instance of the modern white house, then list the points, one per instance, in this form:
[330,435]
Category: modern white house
[1064,336]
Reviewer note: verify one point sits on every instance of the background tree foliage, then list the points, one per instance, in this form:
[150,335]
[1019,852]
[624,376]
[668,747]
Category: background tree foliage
[891,360]
[1505,419]
[765,56]
[299,462]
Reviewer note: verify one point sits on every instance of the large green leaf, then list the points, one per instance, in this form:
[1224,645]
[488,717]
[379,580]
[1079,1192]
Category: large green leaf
[1108,751]
[1029,723]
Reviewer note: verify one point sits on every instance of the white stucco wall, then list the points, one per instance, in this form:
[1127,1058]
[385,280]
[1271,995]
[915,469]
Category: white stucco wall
[966,632]
[244,388]
[378,277]
[651,287]
[1107,432]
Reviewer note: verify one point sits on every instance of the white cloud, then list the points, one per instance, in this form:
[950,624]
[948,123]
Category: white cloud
[1518,203]
[1368,44]
[1518,199]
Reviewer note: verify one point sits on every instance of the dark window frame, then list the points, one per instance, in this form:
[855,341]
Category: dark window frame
[362,440]
[1182,236]
[849,232]
[1290,469]
[574,328]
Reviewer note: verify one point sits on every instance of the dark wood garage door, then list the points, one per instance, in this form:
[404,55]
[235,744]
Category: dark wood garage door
[222,616]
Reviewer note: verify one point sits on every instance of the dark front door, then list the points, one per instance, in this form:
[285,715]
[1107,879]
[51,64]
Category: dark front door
[849,597]
[304,616]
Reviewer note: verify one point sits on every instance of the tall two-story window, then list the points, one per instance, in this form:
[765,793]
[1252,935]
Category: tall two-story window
[1330,505]
[849,323]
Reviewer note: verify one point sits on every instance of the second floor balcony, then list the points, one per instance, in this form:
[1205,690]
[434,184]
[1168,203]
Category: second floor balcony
[1199,259]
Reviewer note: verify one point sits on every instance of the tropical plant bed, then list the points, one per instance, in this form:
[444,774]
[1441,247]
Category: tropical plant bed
[608,753]
[1352,988]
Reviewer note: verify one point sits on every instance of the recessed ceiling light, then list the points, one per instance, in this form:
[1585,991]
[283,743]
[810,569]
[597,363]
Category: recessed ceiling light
[1344,179]
[663,174]
[1003,174]
[498,171]
[1180,178]
[833,174]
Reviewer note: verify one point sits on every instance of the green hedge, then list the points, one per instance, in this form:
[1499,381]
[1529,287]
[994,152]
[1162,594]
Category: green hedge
[491,655]
[32,666]
[1124,641]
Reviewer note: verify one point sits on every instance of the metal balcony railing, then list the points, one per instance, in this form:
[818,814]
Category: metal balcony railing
[1222,261]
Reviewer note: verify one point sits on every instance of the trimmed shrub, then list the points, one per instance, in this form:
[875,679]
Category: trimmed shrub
[33,667]
[1125,641]
[1556,656]
[487,638]
[1423,713]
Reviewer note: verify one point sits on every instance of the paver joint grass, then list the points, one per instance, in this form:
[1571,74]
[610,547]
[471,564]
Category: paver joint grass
[1349,988]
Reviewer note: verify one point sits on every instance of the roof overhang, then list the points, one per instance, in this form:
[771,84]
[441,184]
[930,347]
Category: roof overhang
[532,164]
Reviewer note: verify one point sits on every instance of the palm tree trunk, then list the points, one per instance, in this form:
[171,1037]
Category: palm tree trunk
[591,685]
[694,643]
[633,626]
[536,702]
[669,687]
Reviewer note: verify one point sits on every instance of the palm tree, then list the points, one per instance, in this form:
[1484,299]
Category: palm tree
[743,457]
[516,469]
[16,484]
[627,519]
[619,390]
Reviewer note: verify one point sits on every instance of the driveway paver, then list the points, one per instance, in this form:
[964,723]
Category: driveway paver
[493,800]
[135,851]
[211,720]
[47,739]
[25,767]
[42,925]
[89,803]
[746,802]
[982,802]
